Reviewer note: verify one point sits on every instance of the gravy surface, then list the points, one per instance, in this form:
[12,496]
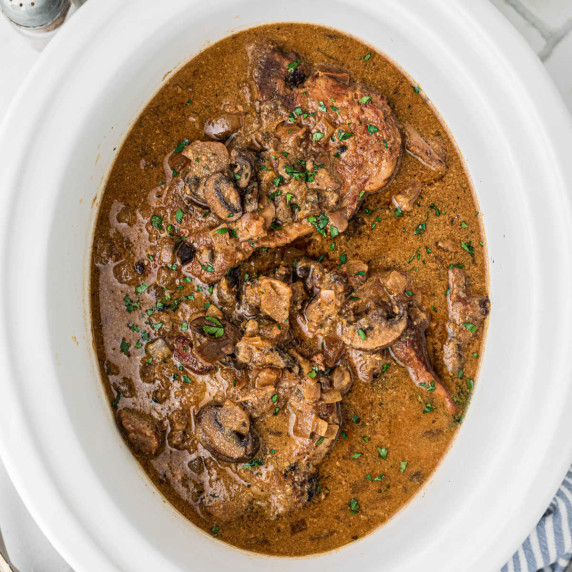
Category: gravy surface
[393,433]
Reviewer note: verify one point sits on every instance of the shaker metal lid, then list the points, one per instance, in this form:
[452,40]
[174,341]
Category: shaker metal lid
[33,13]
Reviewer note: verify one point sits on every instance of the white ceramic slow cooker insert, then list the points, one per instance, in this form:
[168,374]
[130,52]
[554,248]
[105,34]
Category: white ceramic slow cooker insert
[57,434]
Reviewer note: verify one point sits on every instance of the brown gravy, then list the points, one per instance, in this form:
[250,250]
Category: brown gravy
[390,440]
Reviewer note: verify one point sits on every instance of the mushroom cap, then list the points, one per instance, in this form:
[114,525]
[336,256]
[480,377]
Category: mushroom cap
[223,198]
[223,126]
[219,430]
[201,350]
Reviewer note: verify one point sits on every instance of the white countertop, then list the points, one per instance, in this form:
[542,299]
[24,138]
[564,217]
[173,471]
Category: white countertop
[545,24]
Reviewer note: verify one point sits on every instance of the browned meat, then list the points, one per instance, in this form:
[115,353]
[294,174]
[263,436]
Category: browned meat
[274,73]
[206,158]
[272,296]
[423,150]
[372,143]
[467,313]
[256,351]
[406,197]
[410,351]
[141,431]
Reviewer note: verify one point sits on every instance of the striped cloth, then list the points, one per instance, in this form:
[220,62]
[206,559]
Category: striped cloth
[549,546]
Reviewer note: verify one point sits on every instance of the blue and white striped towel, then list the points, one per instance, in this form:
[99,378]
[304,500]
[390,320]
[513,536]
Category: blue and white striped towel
[549,546]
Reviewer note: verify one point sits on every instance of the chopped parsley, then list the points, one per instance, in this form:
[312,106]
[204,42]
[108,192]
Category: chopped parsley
[181,145]
[320,223]
[292,66]
[471,327]
[216,330]
[354,506]
[141,288]
[157,222]
[224,230]
[124,347]
[468,247]
[343,135]
[116,400]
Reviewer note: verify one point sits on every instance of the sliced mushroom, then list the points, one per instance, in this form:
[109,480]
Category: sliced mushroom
[223,126]
[242,172]
[210,341]
[424,151]
[251,198]
[375,330]
[223,198]
[234,418]
[220,431]
[185,355]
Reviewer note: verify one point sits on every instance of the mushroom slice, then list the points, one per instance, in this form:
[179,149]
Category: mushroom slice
[219,430]
[424,151]
[223,198]
[211,341]
[375,330]
[223,126]
[242,172]
[185,355]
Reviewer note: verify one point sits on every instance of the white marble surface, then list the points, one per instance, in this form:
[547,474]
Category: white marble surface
[545,24]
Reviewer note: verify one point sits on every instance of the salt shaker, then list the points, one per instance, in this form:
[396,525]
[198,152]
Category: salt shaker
[38,19]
